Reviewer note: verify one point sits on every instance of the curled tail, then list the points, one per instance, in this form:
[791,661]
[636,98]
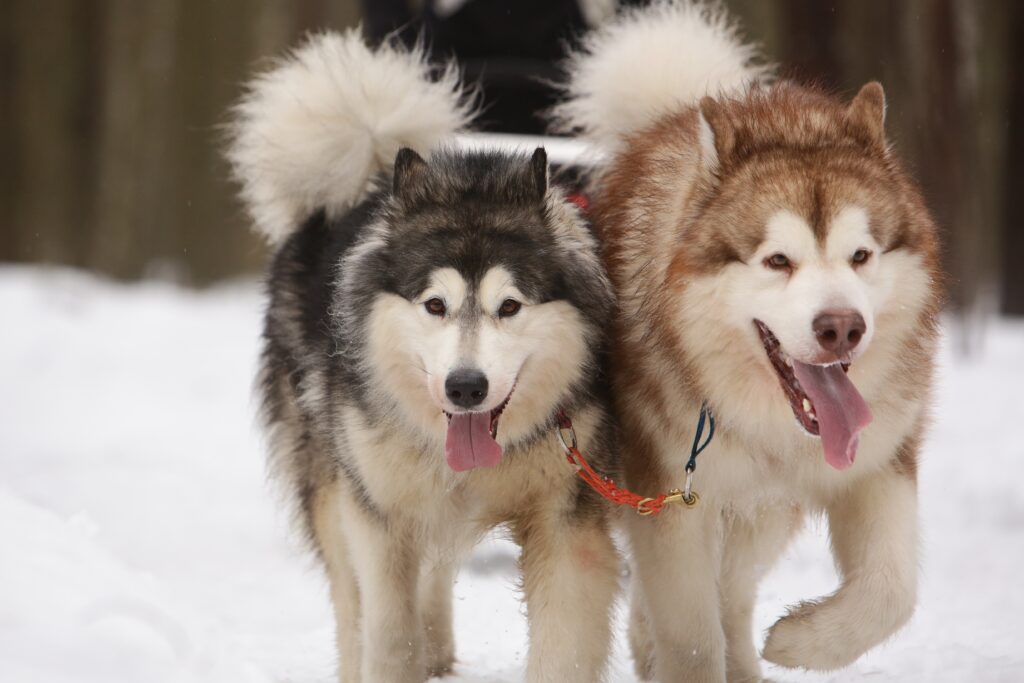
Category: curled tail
[314,130]
[651,61]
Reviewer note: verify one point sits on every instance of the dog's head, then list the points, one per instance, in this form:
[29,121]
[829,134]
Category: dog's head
[488,315]
[814,249]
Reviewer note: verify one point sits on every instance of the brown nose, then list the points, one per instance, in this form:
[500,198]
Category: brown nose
[839,331]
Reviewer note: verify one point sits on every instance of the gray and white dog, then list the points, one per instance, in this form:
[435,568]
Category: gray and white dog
[425,326]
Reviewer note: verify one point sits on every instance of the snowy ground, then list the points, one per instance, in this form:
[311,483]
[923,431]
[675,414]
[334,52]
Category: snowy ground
[139,542]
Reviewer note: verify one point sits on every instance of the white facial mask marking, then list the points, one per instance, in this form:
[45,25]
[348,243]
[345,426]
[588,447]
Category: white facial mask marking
[487,343]
[496,286]
[789,234]
[822,279]
[447,285]
[849,232]
[544,344]
[501,349]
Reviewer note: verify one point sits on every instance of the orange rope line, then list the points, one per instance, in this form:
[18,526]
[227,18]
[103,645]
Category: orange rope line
[606,487]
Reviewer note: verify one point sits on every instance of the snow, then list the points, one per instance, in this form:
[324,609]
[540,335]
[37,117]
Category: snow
[139,540]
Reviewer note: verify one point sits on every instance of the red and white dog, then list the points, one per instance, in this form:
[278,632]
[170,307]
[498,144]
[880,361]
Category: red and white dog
[772,258]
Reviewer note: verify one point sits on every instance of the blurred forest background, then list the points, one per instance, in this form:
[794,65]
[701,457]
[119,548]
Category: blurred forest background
[110,115]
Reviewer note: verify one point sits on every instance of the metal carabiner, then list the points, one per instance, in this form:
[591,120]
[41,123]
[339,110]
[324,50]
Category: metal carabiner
[689,496]
[561,438]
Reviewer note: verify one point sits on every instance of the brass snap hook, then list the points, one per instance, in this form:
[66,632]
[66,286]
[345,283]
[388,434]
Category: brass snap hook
[642,509]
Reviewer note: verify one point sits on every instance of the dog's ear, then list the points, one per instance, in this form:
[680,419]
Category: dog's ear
[716,135]
[866,113]
[410,170]
[539,172]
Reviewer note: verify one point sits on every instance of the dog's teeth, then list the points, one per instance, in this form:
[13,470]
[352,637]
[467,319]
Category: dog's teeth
[788,361]
[807,407]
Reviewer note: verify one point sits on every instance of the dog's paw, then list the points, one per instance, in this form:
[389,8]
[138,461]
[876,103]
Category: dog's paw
[786,643]
[440,663]
[832,633]
[746,673]
[801,640]
[441,669]
[440,652]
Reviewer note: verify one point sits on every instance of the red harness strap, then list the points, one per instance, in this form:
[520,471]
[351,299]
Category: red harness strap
[606,487]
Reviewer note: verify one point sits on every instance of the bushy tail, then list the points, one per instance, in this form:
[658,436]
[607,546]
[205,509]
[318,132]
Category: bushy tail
[313,130]
[648,62]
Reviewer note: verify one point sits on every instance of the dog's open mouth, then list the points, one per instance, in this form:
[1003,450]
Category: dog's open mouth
[472,438]
[824,400]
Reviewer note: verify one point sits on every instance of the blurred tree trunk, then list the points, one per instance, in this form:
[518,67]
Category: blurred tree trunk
[945,96]
[213,58]
[111,129]
[9,152]
[1013,197]
[212,232]
[134,225]
[810,51]
[47,115]
[110,113]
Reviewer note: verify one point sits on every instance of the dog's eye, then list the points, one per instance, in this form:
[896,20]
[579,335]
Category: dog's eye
[778,262]
[509,307]
[435,306]
[860,256]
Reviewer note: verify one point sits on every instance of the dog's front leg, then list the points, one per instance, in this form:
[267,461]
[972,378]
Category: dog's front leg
[386,559]
[436,585]
[328,513]
[874,539]
[752,544]
[677,560]
[570,579]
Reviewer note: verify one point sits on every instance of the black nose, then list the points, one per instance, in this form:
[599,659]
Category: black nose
[466,388]
[839,331]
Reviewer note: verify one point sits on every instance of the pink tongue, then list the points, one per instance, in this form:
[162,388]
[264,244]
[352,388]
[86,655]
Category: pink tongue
[469,443]
[840,409]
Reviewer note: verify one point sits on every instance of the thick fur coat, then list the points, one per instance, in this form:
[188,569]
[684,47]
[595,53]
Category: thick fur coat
[763,240]
[426,322]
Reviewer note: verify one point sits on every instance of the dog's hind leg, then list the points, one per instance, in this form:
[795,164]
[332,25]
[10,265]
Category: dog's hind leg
[874,540]
[751,547]
[342,579]
[570,579]
[436,608]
